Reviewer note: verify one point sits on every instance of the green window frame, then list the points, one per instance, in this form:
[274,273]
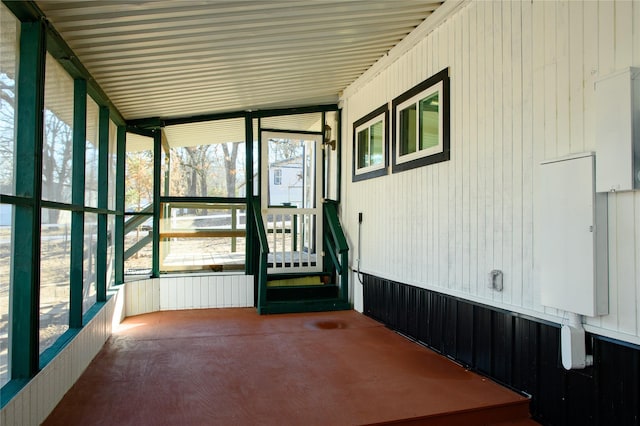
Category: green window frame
[40,55]
[370,147]
[421,125]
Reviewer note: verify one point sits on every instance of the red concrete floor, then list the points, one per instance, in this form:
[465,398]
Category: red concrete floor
[234,367]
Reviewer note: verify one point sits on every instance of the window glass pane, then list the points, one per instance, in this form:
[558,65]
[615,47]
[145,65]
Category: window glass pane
[375,150]
[57,151]
[91,155]
[205,159]
[55,261]
[111,272]
[138,236]
[111,168]
[295,158]
[311,122]
[9,43]
[408,135]
[89,261]
[139,173]
[277,176]
[6,214]
[363,148]
[8,53]
[429,120]
[202,236]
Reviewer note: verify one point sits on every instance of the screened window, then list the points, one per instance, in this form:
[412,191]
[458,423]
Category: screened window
[370,145]
[90,258]
[205,159]
[202,236]
[6,212]
[138,227]
[91,155]
[9,47]
[139,174]
[57,150]
[111,260]
[277,176]
[111,167]
[421,121]
[55,263]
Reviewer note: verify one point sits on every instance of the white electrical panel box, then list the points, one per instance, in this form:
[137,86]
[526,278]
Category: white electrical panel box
[572,237]
[617,131]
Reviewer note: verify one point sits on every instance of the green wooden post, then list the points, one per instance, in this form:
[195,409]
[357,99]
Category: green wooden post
[339,156]
[25,273]
[103,204]
[76,275]
[119,226]
[157,158]
[250,250]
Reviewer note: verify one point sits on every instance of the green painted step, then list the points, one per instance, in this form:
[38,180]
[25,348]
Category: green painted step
[296,306]
[296,281]
[308,292]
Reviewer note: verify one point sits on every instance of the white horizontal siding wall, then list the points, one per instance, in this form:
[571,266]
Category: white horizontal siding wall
[38,398]
[522,78]
[188,292]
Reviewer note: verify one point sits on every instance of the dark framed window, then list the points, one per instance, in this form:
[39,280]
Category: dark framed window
[421,125]
[370,147]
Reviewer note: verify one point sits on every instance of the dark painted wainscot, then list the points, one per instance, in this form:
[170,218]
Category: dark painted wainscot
[519,352]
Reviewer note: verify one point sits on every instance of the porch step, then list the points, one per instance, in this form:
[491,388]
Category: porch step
[297,306]
[296,281]
[301,292]
[294,293]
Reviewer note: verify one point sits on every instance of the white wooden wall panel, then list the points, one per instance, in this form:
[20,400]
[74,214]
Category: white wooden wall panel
[188,292]
[522,78]
[38,398]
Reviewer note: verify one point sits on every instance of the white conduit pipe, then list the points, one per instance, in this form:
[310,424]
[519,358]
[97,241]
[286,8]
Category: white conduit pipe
[572,344]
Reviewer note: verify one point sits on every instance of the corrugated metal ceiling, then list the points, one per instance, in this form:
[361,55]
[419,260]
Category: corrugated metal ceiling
[181,58]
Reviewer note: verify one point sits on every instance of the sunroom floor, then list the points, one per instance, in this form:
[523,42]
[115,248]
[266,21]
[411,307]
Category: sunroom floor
[235,367]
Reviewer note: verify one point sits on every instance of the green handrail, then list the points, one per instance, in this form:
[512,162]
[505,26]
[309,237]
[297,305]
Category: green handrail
[336,245]
[134,221]
[337,233]
[262,235]
[139,245]
[264,252]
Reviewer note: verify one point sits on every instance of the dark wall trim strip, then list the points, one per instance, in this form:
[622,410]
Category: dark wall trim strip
[519,352]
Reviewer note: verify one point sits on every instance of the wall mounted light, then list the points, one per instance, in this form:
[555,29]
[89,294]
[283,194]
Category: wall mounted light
[327,137]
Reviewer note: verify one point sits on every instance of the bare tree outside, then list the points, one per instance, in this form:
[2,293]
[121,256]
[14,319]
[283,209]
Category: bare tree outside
[57,154]
[207,170]
[230,159]
[139,180]
[7,135]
